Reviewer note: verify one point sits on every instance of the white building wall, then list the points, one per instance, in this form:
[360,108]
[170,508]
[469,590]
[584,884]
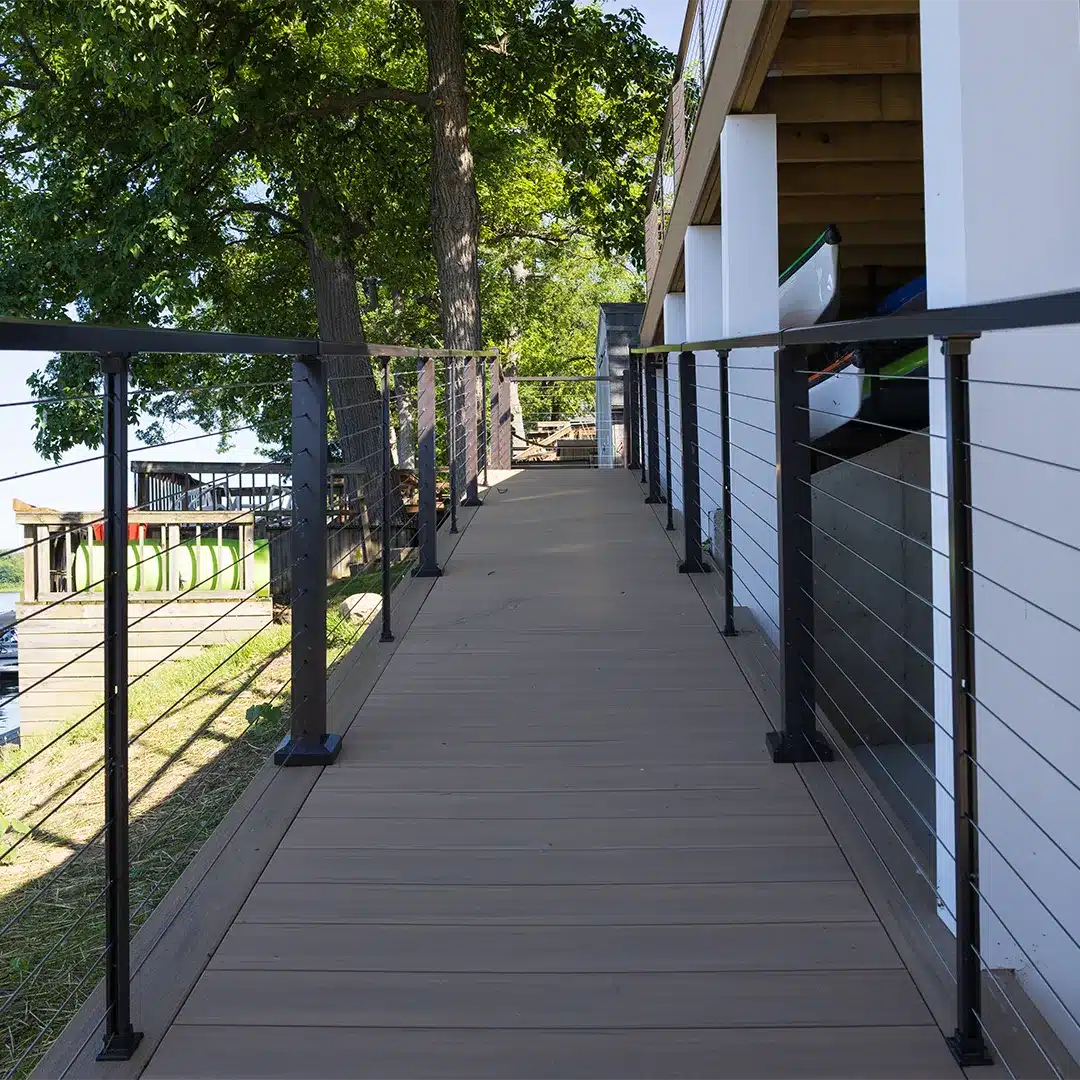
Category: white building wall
[675,331]
[1001,113]
[704,321]
[751,305]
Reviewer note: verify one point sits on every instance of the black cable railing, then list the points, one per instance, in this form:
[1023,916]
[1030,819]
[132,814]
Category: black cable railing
[866,562]
[223,604]
[558,421]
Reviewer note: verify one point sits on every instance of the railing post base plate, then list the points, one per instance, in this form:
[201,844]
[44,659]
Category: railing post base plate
[658,501]
[797,749]
[120,1047]
[321,751]
[427,571]
[688,567]
[968,1050]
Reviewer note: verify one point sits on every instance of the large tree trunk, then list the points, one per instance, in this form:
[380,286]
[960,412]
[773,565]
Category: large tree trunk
[354,395]
[455,208]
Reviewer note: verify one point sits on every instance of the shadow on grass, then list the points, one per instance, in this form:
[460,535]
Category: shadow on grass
[52,923]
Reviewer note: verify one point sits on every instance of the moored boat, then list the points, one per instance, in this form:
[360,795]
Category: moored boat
[808,287]
[881,383]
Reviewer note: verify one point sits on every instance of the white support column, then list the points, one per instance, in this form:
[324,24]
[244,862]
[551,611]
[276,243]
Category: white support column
[704,281]
[675,331]
[1000,86]
[751,305]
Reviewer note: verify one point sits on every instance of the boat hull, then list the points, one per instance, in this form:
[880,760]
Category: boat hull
[808,292]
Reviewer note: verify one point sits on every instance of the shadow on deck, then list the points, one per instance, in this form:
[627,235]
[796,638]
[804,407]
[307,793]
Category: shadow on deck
[554,846]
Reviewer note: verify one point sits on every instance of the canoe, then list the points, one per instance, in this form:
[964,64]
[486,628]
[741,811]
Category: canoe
[836,395]
[882,383]
[808,287]
[909,297]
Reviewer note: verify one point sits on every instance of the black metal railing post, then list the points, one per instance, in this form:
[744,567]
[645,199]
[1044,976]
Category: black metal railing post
[387,630]
[642,437]
[725,478]
[427,519]
[120,1037]
[967,1042]
[667,450]
[634,409]
[502,442]
[798,738]
[472,465]
[308,742]
[653,430]
[692,563]
[451,439]
[484,422]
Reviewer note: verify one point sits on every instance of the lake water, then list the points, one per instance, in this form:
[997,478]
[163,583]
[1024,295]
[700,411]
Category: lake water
[9,705]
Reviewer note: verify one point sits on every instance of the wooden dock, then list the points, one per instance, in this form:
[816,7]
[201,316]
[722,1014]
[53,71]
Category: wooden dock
[554,846]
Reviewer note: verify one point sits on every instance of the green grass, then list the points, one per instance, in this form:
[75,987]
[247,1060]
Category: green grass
[368,582]
[203,728]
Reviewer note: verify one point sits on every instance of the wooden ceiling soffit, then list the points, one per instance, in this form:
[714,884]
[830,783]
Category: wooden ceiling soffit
[826,209]
[774,20]
[860,46]
[900,255]
[848,142]
[708,207]
[851,178]
[855,233]
[853,278]
[828,9]
[842,99]
[905,255]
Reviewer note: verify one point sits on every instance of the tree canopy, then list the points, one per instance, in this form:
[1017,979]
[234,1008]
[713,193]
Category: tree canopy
[188,162]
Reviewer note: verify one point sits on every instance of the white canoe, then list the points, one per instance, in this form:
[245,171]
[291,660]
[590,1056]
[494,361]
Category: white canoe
[835,396]
[808,286]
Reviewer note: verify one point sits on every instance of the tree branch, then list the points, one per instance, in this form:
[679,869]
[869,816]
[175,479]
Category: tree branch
[18,84]
[546,238]
[265,208]
[29,46]
[349,104]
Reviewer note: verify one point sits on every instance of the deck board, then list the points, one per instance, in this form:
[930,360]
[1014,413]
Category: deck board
[554,846]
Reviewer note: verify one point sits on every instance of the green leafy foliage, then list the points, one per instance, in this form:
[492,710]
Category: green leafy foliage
[154,155]
[11,828]
[11,571]
[263,711]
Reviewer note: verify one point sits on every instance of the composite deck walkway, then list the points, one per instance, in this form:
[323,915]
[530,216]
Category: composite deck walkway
[554,847]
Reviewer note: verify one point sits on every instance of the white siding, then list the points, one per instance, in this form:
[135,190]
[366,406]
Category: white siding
[1001,82]
[751,305]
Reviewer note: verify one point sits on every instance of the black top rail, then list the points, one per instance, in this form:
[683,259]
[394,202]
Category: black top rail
[1044,309]
[43,336]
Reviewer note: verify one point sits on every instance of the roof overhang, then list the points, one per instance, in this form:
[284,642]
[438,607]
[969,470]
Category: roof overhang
[733,49]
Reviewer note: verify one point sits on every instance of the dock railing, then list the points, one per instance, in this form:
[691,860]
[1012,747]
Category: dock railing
[886,532]
[101,810]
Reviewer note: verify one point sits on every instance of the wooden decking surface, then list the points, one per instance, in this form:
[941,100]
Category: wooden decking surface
[554,847]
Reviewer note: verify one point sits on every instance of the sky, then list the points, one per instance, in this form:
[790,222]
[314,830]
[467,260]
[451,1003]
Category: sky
[79,487]
[663,18]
